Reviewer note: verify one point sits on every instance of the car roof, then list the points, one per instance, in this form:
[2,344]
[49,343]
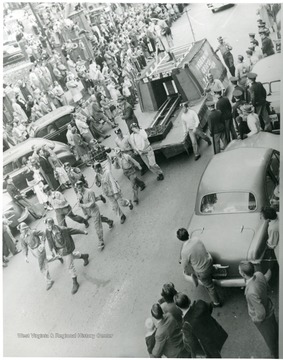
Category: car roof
[260,140]
[53,115]
[235,170]
[23,148]
[269,68]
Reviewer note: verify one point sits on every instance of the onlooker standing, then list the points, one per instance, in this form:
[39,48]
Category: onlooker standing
[270,214]
[267,44]
[47,170]
[128,113]
[139,142]
[61,243]
[9,242]
[223,104]
[252,119]
[197,261]
[216,127]
[258,100]
[191,126]
[200,328]
[168,337]
[150,334]
[225,50]
[260,306]
[167,301]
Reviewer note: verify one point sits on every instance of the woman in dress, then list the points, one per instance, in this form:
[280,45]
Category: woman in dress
[81,147]
[59,171]
[73,86]
[35,180]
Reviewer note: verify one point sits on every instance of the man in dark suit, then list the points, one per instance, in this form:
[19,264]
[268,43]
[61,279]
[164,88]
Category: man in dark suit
[202,333]
[260,306]
[267,44]
[223,104]
[47,170]
[258,100]
[20,199]
[168,337]
[216,127]
[128,113]
[234,82]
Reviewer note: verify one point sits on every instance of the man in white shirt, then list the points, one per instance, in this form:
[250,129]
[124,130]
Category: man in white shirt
[139,142]
[252,119]
[191,123]
[83,127]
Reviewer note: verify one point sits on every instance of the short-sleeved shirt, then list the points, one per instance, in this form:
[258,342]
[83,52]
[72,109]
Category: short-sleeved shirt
[195,255]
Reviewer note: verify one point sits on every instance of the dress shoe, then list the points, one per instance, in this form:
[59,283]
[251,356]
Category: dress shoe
[4,265]
[17,251]
[76,286]
[61,260]
[136,202]
[123,219]
[215,305]
[49,286]
[86,224]
[160,177]
[106,136]
[209,143]
[102,198]
[101,247]
[131,206]
[85,259]
[197,157]
[142,188]
[111,224]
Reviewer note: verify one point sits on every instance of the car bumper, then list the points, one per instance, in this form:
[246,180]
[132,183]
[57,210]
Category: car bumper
[236,282]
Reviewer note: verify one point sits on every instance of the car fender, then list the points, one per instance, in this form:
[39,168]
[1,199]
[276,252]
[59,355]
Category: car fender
[258,244]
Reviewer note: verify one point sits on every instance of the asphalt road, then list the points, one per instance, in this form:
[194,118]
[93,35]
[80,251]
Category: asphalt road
[120,284]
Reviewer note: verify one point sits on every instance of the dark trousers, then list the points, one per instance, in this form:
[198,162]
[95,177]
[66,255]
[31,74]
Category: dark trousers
[229,61]
[67,211]
[206,278]
[229,128]
[269,331]
[216,141]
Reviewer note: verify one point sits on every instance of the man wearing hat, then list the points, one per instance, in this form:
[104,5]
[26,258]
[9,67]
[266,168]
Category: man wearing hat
[258,99]
[127,113]
[61,243]
[234,82]
[20,199]
[252,38]
[33,240]
[98,114]
[62,207]
[191,126]
[242,68]
[75,174]
[260,306]
[267,46]
[238,101]
[139,142]
[99,153]
[225,50]
[87,201]
[216,127]
[129,165]
[251,58]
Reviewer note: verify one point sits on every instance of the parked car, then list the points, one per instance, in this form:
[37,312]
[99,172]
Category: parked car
[53,126]
[234,187]
[215,7]
[260,140]
[268,72]
[12,159]
[12,53]
[12,211]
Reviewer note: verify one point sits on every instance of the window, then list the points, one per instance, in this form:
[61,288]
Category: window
[233,202]
[41,133]
[7,169]
[63,121]
[275,86]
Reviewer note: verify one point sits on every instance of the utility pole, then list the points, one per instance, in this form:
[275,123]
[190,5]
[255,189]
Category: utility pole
[39,23]
[186,11]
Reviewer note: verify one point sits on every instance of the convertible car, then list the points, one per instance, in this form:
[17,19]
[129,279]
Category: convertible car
[227,217]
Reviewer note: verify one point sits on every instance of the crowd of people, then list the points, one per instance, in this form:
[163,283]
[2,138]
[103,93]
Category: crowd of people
[103,90]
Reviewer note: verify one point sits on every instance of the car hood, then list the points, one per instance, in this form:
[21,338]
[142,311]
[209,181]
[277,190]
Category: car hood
[228,237]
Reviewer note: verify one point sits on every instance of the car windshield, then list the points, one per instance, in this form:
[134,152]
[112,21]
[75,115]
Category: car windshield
[233,202]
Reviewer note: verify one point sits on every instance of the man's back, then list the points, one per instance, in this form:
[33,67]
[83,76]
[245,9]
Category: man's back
[223,104]
[258,93]
[169,340]
[195,253]
[215,122]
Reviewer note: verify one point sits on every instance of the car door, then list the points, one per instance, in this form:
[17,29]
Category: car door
[272,176]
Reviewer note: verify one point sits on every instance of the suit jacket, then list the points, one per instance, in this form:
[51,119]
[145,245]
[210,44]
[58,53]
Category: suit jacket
[172,309]
[242,97]
[168,338]
[224,105]
[215,122]
[257,93]
[208,331]
[128,113]
[45,165]
[62,241]
[267,46]
[260,306]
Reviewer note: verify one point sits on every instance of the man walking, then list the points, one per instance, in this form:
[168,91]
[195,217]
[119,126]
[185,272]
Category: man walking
[225,50]
[127,113]
[216,127]
[139,142]
[198,262]
[201,332]
[223,104]
[33,240]
[260,306]
[87,201]
[62,207]
[191,126]
[129,166]
[112,190]
[61,243]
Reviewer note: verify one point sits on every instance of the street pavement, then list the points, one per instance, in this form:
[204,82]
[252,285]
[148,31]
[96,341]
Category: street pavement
[118,287]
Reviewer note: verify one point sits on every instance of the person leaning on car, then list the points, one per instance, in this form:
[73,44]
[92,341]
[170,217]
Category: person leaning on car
[198,263]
